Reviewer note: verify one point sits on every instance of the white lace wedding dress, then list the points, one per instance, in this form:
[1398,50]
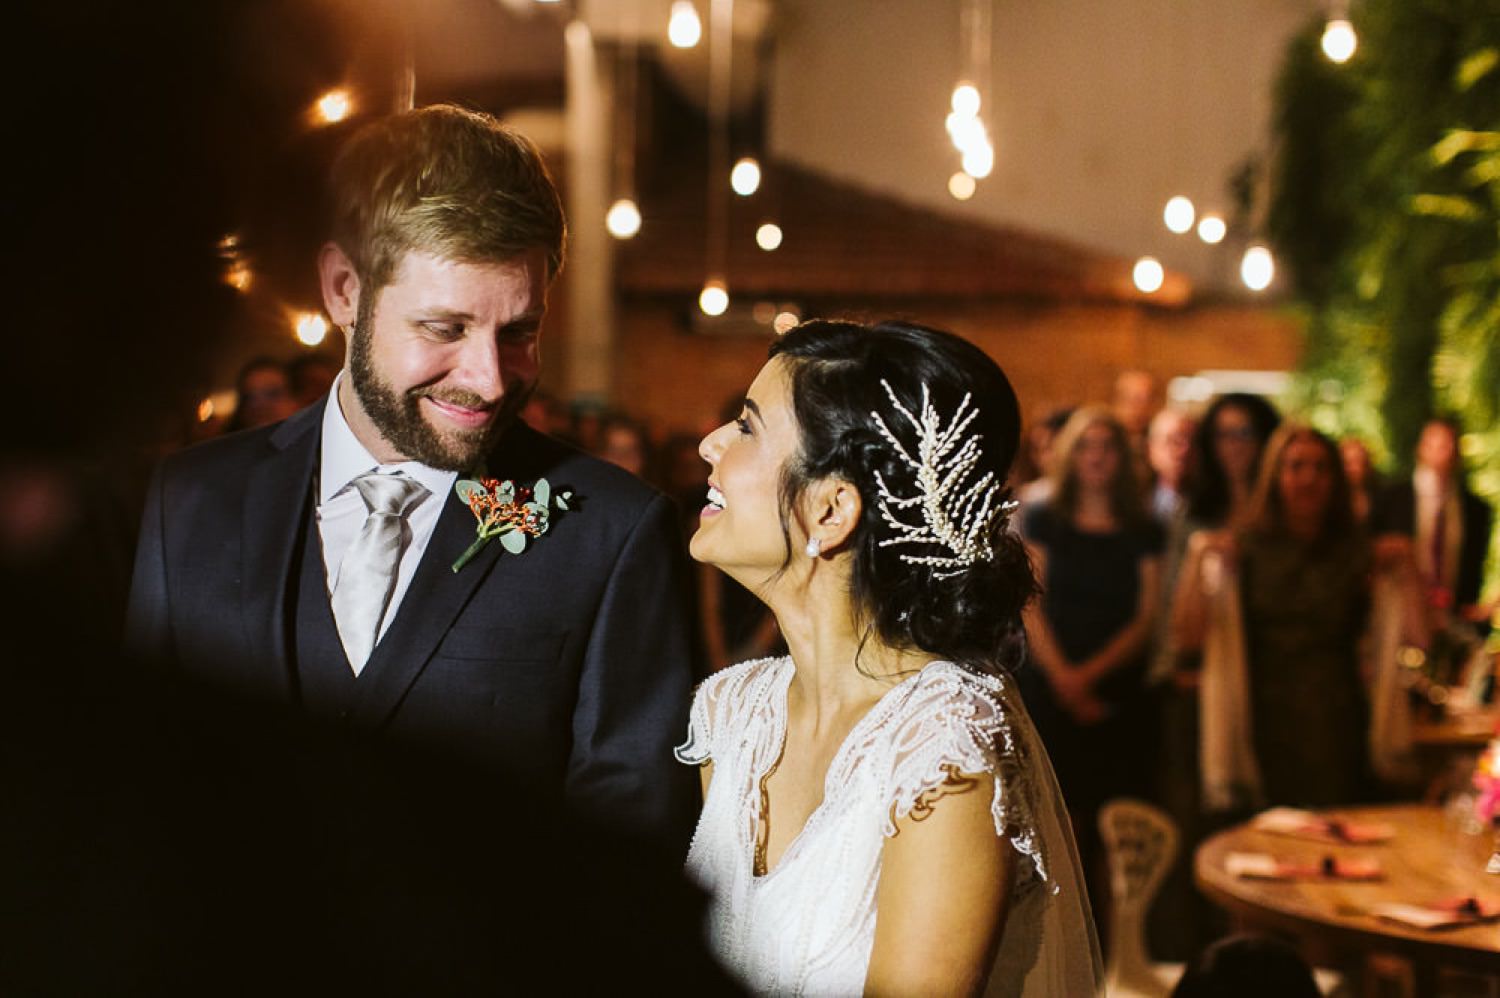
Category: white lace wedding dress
[808,926]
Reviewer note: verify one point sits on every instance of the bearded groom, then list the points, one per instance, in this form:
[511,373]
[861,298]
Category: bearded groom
[313,562]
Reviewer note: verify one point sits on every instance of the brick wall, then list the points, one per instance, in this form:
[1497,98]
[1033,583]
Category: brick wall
[1054,355]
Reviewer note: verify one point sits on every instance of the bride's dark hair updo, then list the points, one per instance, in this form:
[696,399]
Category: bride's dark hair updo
[969,614]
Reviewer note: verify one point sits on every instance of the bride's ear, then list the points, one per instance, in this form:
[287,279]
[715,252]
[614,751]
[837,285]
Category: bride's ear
[836,509]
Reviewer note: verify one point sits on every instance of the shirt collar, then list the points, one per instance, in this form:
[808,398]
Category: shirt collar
[345,458]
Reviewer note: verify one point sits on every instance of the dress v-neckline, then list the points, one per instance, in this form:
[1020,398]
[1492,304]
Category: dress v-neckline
[779,740]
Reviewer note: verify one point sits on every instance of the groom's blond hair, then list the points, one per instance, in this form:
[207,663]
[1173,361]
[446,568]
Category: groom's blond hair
[442,180]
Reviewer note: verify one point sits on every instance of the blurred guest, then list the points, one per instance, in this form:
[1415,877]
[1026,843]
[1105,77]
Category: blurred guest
[545,413]
[585,426]
[623,442]
[1364,480]
[1225,458]
[1137,398]
[310,376]
[1169,442]
[1097,551]
[1247,966]
[1278,602]
[262,395]
[1035,484]
[1448,525]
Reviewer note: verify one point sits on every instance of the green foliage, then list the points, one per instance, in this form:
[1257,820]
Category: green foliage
[1386,213]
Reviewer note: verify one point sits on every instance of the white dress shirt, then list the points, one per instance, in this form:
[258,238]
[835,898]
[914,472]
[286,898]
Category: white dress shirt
[341,510]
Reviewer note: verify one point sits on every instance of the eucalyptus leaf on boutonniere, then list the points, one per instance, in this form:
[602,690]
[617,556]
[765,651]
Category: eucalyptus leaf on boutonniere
[510,512]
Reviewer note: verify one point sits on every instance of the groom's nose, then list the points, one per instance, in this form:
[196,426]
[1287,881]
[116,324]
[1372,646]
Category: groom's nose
[479,369]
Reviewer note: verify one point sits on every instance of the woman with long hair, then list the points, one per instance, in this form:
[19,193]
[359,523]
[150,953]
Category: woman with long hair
[1296,571]
[1097,550]
[879,815]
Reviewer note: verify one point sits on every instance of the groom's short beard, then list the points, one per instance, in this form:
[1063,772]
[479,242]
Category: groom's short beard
[398,415]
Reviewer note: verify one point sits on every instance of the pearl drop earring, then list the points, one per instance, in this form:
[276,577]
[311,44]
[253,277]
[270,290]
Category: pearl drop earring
[814,547]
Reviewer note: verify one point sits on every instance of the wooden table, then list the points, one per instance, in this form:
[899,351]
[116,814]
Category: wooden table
[1426,861]
[1471,729]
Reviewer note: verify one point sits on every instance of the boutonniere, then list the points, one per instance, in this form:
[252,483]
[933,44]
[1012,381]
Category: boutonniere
[507,511]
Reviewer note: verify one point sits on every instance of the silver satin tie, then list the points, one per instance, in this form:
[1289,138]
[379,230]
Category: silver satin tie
[368,573]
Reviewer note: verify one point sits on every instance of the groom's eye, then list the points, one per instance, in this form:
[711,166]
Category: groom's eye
[444,330]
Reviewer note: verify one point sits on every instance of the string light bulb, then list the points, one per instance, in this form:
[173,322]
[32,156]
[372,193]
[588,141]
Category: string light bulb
[311,328]
[684,29]
[334,106]
[1148,275]
[1211,229]
[979,160]
[961,186]
[713,299]
[966,100]
[623,220]
[1339,40]
[745,177]
[1179,214]
[768,236]
[1257,268]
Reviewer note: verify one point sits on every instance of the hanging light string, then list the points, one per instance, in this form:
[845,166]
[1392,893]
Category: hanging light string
[626,77]
[965,123]
[624,218]
[720,43]
[978,16]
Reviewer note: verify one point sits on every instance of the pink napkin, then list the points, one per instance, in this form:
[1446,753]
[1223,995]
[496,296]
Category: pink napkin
[1321,828]
[1444,914]
[1264,866]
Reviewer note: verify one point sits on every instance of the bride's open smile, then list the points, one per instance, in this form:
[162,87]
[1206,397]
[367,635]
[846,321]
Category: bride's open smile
[739,529]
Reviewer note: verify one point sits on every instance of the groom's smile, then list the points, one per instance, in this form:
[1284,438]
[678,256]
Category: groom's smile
[444,357]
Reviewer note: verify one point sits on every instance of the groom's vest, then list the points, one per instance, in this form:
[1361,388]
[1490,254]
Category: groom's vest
[320,668]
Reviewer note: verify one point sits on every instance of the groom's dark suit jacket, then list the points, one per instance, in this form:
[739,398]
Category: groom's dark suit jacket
[567,666]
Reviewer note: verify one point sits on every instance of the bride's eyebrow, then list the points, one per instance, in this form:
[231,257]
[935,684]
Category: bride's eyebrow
[754,410]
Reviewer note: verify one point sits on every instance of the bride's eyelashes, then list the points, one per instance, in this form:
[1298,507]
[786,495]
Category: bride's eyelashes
[743,424]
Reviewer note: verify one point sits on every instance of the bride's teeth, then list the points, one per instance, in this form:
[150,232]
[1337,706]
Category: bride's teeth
[715,497]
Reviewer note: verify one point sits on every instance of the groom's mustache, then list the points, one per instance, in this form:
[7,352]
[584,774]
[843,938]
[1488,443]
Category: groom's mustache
[455,396]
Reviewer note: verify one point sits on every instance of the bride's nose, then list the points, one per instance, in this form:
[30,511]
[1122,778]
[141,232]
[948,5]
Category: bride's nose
[711,446]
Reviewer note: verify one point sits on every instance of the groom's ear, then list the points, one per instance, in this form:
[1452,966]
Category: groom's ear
[340,284]
[836,512]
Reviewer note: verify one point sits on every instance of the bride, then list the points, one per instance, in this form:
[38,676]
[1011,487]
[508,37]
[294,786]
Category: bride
[879,816]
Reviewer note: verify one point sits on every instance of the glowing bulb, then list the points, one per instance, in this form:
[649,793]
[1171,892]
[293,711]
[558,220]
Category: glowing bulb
[784,322]
[1148,274]
[961,186]
[1211,229]
[768,236]
[979,161]
[1257,268]
[683,27]
[966,100]
[311,328]
[1178,214]
[205,410]
[713,299]
[967,133]
[623,219]
[334,106]
[239,276]
[745,177]
[1339,40]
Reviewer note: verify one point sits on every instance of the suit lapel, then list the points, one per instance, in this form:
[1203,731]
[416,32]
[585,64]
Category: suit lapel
[437,593]
[276,499]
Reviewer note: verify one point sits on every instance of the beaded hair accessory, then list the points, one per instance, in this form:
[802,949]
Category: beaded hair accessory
[955,516]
